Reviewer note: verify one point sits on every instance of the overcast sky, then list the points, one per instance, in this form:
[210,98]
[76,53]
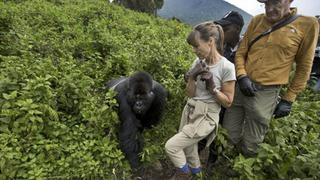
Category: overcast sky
[306,7]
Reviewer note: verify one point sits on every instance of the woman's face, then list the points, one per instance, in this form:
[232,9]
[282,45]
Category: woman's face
[202,48]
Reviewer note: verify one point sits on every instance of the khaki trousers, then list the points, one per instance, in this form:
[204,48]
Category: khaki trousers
[247,120]
[199,120]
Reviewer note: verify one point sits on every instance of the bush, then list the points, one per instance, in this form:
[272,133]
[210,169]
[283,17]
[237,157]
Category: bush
[57,121]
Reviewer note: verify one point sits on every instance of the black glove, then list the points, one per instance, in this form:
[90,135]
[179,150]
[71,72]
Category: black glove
[246,86]
[283,109]
[208,78]
[199,68]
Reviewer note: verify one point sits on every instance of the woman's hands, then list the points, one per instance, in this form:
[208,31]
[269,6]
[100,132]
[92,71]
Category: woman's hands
[199,68]
[202,69]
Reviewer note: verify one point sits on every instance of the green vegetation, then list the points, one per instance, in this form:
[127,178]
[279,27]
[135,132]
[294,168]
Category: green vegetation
[57,120]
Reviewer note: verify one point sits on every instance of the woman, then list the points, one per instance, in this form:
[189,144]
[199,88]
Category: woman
[211,82]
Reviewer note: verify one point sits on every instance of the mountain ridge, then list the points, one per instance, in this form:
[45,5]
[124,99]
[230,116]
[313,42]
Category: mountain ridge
[195,11]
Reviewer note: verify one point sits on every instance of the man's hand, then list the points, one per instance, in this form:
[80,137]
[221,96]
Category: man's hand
[199,68]
[282,109]
[208,78]
[246,86]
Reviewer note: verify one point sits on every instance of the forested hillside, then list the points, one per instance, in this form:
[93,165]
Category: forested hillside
[57,121]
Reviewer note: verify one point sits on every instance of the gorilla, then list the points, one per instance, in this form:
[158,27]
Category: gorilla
[141,105]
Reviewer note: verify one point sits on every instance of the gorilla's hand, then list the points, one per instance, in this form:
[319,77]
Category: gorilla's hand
[208,78]
[282,109]
[199,68]
[246,86]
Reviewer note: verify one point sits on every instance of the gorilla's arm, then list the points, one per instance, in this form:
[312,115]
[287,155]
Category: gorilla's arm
[130,141]
[155,112]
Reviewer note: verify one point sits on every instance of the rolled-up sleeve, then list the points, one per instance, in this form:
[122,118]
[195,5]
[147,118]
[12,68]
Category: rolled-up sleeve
[303,59]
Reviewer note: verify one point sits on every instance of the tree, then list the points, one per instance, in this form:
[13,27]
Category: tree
[147,6]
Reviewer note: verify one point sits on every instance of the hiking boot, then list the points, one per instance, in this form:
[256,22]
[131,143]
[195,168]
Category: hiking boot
[179,175]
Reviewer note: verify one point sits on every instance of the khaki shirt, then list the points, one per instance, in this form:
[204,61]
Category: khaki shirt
[270,59]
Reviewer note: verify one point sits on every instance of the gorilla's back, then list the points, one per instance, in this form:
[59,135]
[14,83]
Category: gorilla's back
[112,84]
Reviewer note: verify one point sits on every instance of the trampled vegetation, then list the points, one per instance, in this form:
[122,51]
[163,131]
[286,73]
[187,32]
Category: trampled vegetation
[58,121]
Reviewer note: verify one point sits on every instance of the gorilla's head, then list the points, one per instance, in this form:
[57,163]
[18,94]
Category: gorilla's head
[140,92]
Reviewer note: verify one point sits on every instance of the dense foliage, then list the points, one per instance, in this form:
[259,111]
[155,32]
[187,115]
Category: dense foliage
[58,121]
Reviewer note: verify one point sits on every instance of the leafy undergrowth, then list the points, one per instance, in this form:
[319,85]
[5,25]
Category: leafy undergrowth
[56,119]
[58,122]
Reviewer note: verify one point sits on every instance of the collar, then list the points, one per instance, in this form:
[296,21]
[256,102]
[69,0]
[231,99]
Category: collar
[293,11]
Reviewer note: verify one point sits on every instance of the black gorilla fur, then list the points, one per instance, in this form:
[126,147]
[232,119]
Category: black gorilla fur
[141,105]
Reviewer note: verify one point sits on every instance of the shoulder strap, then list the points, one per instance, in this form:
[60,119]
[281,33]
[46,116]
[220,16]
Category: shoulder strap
[276,26]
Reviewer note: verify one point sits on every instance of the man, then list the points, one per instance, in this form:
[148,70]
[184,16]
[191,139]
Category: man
[264,68]
[231,24]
